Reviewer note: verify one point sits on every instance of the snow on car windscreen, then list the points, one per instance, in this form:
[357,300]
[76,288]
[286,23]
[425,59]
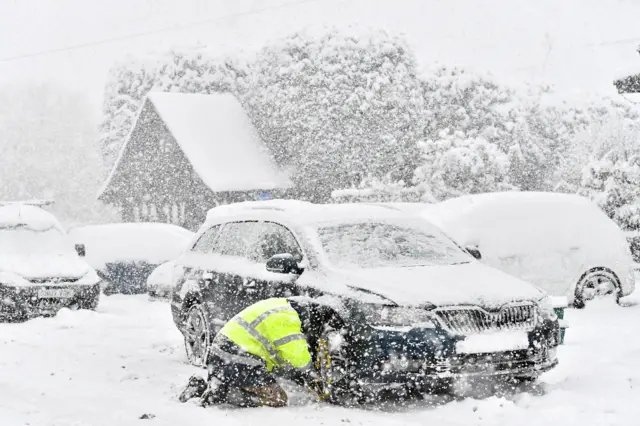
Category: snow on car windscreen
[371,245]
[22,239]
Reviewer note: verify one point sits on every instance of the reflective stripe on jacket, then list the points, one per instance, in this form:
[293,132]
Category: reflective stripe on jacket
[270,329]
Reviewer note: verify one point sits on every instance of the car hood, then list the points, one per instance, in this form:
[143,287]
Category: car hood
[469,283]
[44,266]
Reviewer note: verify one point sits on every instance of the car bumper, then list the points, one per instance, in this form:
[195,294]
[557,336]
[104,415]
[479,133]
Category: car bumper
[19,303]
[431,355]
[507,364]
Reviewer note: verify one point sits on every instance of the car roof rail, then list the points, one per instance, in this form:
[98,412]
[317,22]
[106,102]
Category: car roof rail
[36,203]
[277,208]
[276,205]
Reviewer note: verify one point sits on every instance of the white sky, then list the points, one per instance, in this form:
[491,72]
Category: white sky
[578,45]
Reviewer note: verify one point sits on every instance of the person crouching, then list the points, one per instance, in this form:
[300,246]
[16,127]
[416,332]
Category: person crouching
[267,339]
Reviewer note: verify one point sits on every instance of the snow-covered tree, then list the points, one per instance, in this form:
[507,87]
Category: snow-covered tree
[336,108]
[460,100]
[456,164]
[535,133]
[611,176]
[613,182]
[602,126]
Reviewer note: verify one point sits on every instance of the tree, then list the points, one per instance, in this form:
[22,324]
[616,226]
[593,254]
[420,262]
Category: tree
[456,164]
[611,177]
[613,182]
[337,108]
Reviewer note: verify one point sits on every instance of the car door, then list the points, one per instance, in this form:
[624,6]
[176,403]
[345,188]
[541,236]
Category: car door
[191,272]
[236,270]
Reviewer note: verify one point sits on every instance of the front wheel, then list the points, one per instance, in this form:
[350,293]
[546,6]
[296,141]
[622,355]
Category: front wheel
[197,336]
[334,384]
[596,284]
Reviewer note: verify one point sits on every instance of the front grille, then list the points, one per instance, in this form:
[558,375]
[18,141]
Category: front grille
[473,319]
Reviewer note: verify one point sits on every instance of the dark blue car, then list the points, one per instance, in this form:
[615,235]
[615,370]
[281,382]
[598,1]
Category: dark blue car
[418,309]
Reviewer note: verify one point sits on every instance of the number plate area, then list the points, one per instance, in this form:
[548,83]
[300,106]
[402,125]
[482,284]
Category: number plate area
[55,293]
[493,342]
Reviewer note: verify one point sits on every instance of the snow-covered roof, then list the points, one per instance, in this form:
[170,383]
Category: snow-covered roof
[217,137]
[505,223]
[31,216]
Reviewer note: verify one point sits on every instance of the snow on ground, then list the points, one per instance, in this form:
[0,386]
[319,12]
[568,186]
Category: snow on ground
[112,366]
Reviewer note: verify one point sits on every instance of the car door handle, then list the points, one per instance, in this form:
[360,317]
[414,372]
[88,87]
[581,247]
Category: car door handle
[207,276]
[249,283]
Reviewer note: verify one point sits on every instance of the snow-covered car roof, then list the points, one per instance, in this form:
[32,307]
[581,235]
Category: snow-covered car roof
[150,242]
[494,219]
[305,213]
[515,198]
[29,216]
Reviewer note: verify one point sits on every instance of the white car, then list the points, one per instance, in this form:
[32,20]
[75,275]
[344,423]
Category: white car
[125,254]
[562,243]
[40,272]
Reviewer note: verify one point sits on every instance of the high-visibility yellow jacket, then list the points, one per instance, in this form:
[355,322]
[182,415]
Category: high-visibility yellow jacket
[270,329]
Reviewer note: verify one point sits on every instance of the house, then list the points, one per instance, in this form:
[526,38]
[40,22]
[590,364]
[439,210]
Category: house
[186,154]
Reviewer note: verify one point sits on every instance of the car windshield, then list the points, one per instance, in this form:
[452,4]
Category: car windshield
[22,240]
[371,245]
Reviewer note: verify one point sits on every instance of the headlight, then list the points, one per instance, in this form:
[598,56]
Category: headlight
[545,306]
[394,316]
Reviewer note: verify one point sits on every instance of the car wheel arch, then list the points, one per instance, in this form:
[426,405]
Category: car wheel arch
[578,302]
[599,269]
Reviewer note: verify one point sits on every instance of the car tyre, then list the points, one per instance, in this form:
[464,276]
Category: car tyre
[593,284]
[197,336]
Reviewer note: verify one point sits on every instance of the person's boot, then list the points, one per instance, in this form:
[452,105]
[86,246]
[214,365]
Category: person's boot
[195,388]
[269,395]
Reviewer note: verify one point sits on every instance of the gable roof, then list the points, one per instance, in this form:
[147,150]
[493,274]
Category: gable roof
[218,139]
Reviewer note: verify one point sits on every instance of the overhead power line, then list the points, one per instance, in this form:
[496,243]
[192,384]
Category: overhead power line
[152,32]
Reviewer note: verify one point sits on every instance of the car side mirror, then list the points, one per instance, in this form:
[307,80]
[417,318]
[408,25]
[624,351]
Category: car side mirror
[81,250]
[473,251]
[284,263]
